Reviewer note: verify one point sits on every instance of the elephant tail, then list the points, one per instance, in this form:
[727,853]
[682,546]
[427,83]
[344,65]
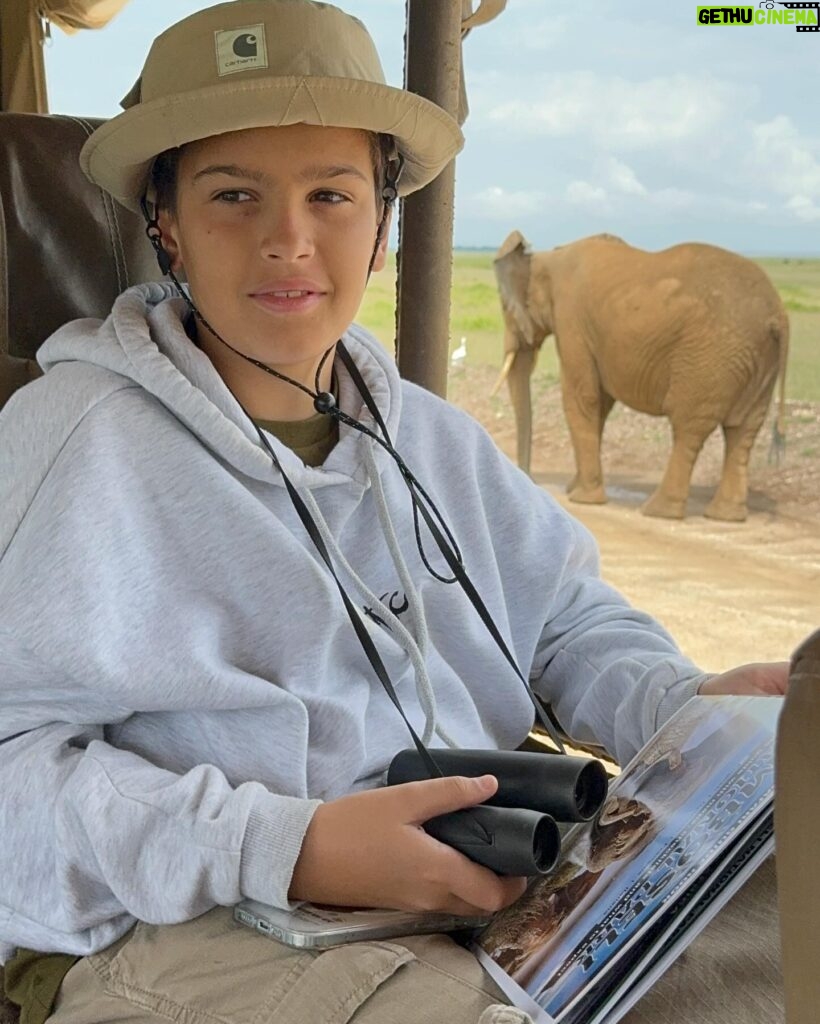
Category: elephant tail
[777,448]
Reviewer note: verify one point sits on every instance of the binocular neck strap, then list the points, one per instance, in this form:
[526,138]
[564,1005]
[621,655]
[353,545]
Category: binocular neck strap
[450,552]
[354,615]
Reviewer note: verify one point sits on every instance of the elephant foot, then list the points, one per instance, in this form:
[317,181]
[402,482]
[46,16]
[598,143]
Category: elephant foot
[586,495]
[728,511]
[663,508]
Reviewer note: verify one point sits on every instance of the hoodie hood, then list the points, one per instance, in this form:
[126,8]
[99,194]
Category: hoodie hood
[144,340]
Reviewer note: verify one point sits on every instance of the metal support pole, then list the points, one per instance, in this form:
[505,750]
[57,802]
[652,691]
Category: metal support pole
[424,260]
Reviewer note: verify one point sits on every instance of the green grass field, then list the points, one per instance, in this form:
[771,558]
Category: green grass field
[476,316]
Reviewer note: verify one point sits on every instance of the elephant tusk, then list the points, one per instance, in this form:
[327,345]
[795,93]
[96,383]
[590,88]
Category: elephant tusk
[505,372]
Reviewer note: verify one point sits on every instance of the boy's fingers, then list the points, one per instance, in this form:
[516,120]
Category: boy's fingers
[428,799]
[477,886]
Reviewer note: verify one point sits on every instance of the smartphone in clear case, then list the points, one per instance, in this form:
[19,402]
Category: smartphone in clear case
[312,926]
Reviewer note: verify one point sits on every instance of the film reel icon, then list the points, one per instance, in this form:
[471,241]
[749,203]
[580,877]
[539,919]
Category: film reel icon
[815,6]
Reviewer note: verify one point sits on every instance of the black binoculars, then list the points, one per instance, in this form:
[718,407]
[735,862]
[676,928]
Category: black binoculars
[515,831]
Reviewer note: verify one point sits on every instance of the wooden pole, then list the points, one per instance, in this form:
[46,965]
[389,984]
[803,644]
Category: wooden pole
[424,260]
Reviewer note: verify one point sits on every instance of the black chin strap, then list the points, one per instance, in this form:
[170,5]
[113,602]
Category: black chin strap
[390,194]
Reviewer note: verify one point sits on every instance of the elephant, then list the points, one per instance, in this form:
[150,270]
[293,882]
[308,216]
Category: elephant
[694,333]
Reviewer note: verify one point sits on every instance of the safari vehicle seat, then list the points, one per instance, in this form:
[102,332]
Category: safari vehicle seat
[67,249]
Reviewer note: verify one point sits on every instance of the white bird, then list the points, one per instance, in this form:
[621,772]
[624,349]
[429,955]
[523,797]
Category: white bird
[459,354]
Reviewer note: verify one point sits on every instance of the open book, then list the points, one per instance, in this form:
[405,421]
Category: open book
[683,826]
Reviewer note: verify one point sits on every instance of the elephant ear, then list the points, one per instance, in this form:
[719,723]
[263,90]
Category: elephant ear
[512,272]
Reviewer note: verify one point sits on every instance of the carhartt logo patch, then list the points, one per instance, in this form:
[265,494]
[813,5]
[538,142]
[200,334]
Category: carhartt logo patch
[241,49]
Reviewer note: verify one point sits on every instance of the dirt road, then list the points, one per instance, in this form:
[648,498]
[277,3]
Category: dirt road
[728,592]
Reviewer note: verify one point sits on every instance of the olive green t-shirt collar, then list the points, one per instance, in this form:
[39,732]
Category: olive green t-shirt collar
[312,440]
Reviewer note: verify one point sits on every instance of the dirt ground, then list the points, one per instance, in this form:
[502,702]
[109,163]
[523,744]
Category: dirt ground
[729,592]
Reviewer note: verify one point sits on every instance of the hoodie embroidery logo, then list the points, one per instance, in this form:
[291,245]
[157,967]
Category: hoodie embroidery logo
[241,49]
[396,606]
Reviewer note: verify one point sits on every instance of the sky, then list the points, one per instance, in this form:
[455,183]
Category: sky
[622,116]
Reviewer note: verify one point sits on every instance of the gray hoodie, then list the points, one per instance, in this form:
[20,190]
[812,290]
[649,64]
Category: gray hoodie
[180,684]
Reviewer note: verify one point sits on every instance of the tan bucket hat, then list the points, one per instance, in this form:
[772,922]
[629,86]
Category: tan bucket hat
[255,63]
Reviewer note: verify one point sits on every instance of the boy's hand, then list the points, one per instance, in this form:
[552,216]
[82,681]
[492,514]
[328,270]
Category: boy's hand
[758,680]
[369,850]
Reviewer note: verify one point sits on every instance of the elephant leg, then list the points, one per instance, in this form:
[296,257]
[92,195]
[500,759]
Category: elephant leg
[586,415]
[607,402]
[669,500]
[729,502]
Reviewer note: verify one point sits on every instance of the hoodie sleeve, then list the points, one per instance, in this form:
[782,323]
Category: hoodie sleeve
[612,674]
[94,836]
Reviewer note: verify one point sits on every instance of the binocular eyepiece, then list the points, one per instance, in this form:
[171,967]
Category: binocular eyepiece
[515,831]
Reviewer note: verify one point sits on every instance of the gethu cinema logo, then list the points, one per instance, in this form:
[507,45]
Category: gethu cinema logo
[765,14]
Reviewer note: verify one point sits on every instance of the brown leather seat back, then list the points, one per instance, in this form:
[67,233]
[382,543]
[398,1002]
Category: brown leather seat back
[67,249]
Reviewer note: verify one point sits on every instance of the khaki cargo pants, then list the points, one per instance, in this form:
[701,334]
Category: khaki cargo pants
[214,971]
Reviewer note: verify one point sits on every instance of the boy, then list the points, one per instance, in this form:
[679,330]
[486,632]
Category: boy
[193,648]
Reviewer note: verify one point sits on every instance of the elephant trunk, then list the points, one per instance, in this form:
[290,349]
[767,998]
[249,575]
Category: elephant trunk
[519,381]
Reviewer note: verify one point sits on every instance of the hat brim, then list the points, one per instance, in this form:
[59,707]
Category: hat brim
[119,154]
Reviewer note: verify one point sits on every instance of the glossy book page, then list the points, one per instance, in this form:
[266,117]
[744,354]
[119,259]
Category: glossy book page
[671,822]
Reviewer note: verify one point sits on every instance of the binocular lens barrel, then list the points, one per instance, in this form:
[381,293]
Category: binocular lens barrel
[566,788]
[590,789]
[509,841]
[546,845]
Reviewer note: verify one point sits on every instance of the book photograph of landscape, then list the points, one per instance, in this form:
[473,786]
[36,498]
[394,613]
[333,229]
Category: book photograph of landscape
[691,810]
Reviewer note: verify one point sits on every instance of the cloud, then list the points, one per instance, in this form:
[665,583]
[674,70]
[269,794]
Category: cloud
[788,160]
[623,179]
[675,199]
[619,189]
[510,38]
[584,194]
[545,35]
[618,113]
[804,209]
[497,203]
